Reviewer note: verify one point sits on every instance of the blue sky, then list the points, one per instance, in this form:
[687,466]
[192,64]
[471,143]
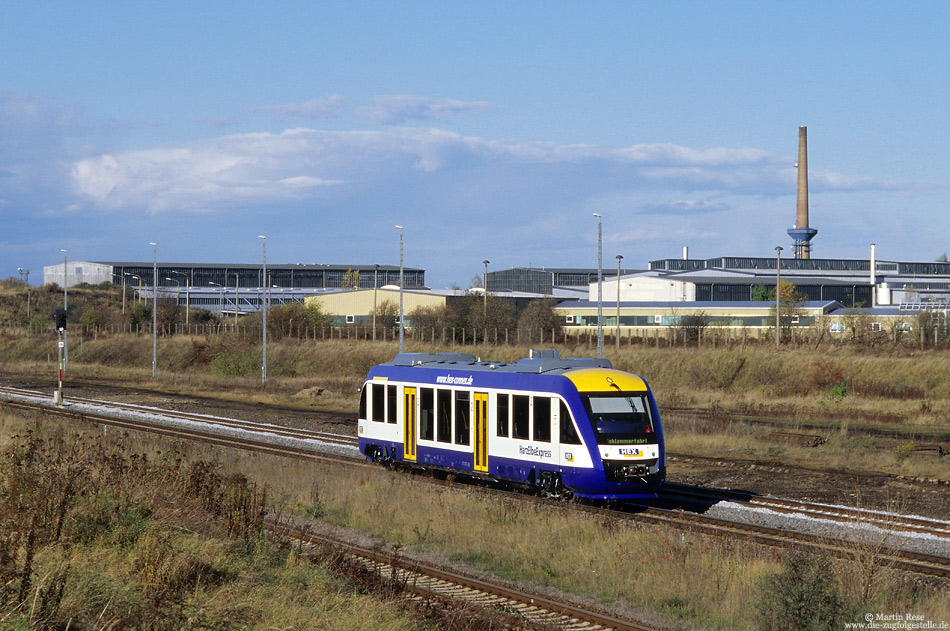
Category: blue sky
[490,130]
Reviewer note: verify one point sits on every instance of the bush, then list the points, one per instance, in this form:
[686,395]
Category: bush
[804,595]
[238,361]
[825,374]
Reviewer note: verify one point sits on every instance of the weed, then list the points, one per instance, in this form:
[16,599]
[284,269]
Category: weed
[903,451]
[837,392]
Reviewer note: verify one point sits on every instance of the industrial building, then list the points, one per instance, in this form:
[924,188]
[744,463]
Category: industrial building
[229,288]
[551,281]
[357,307]
[299,275]
[724,289]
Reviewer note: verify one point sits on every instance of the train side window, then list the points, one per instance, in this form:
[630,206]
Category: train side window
[461,417]
[501,409]
[379,402]
[443,404]
[542,419]
[568,433]
[391,392]
[521,417]
[363,401]
[426,414]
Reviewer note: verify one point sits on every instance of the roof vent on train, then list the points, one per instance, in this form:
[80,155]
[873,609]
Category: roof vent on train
[546,360]
[415,359]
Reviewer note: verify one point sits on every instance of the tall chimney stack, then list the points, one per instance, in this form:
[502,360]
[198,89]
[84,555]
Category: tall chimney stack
[801,209]
[801,234]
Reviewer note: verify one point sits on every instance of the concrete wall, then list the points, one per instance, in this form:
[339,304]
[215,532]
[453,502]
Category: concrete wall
[77,272]
[645,289]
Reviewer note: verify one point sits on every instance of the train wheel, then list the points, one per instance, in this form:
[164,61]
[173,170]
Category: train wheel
[550,484]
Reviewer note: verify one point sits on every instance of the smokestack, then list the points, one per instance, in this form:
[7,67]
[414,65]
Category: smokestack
[685,252]
[801,209]
[801,234]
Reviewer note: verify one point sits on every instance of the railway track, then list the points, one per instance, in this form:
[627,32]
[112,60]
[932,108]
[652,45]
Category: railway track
[842,514]
[927,433]
[427,581]
[320,445]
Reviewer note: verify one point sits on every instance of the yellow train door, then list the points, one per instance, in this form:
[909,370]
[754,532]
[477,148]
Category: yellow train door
[481,431]
[409,424]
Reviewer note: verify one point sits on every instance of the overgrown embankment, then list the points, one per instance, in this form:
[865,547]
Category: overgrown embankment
[911,386]
[97,536]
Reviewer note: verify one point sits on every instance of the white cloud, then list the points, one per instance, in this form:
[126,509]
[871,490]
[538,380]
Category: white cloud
[395,109]
[323,107]
[299,163]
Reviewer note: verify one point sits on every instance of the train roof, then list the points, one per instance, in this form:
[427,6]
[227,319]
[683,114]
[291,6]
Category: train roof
[540,361]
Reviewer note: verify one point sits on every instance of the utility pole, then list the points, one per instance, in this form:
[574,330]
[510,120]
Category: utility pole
[600,288]
[485,292]
[619,258]
[778,283]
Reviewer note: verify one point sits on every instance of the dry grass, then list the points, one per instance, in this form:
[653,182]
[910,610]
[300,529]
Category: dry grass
[679,579]
[840,451]
[94,535]
[687,577]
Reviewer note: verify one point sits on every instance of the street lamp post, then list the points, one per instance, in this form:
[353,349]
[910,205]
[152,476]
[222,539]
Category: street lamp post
[124,274]
[220,298]
[177,291]
[265,307]
[154,309]
[400,229]
[187,296]
[375,285]
[25,275]
[600,288]
[778,283]
[485,288]
[237,296]
[66,309]
[619,258]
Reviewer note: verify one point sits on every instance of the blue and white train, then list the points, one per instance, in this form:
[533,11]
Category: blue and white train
[567,427]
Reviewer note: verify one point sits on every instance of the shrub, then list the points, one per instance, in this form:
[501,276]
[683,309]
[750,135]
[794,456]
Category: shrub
[825,374]
[804,595]
[238,361]
[837,392]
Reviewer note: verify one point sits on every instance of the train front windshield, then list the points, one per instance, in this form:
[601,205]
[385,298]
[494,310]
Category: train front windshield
[620,419]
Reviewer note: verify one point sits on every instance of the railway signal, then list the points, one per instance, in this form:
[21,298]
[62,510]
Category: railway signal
[59,319]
